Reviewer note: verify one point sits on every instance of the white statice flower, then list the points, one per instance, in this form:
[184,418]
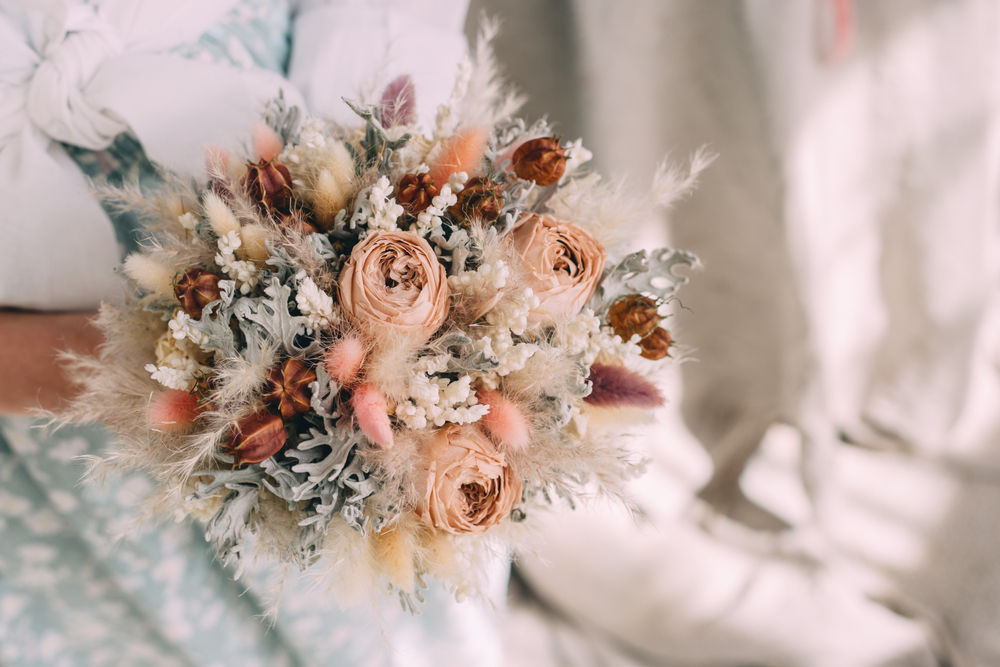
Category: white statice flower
[315,304]
[181,328]
[244,273]
[188,221]
[438,400]
[582,336]
[429,220]
[422,168]
[457,181]
[176,362]
[576,155]
[512,313]
[384,209]
[487,278]
[433,364]
[511,356]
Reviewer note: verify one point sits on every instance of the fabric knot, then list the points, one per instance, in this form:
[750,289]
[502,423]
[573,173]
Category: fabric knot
[57,103]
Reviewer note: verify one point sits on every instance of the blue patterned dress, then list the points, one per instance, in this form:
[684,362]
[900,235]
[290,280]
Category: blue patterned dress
[75,593]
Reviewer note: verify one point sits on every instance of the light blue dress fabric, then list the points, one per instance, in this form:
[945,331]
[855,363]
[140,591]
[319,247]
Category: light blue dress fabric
[72,594]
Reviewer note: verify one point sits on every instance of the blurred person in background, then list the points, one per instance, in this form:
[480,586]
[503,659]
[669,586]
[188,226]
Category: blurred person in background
[824,485]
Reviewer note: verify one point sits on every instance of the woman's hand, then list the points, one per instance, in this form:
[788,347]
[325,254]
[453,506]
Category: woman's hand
[31,375]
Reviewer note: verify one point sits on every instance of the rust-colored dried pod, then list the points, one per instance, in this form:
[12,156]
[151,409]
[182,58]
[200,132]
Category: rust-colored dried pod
[297,220]
[288,387]
[540,160]
[196,289]
[256,437]
[416,191]
[269,184]
[656,345]
[479,199]
[633,314]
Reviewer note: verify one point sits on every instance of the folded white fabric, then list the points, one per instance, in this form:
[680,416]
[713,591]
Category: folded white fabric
[82,73]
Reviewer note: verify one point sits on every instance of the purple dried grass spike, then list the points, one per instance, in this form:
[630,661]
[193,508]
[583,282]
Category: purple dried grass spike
[616,387]
[399,101]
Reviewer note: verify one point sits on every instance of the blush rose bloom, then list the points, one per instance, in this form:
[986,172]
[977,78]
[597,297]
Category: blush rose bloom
[470,488]
[393,279]
[564,264]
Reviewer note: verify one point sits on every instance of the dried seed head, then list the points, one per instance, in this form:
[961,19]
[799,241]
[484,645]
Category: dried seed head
[656,345]
[633,314]
[540,160]
[269,184]
[416,191]
[256,437]
[288,387]
[196,289]
[480,199]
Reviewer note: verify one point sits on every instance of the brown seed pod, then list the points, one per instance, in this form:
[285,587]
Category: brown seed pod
[196,289]
[288,387]
[297,220]
[633,314]
[480,199]
[656,345]
[269,184]
[256,437]
[416,191]
[540,160]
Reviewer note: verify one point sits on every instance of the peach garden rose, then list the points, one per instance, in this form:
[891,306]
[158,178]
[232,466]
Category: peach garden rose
[564,264]
[394,279]
[469,486]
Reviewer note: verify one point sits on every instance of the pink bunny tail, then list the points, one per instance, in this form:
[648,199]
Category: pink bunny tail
[372,414]
[267,144]
[463,152]
[399,102]
[617,387]
[173,410]
[344,359]
[505,422]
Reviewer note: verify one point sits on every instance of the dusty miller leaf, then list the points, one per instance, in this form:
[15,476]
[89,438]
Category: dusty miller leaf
[643,273]
[272,314]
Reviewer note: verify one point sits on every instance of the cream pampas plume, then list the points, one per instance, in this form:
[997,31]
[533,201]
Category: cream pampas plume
[504,422]
[151,274]
[372,414]
[220,216]
[254,246]
[334,184]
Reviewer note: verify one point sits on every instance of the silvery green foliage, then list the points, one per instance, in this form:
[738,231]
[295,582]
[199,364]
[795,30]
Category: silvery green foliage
[228,526]
[376,147]
[283,119]
[643,273]
[362,209]
[271,313]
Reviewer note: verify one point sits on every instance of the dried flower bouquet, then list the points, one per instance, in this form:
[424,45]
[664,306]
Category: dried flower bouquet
[372,350]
